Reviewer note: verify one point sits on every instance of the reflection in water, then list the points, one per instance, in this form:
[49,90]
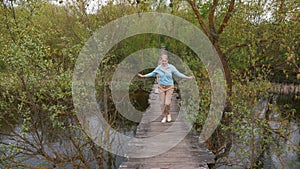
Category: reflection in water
[139,99]
[54,147]
[288,144]
[282,149]
[288,157]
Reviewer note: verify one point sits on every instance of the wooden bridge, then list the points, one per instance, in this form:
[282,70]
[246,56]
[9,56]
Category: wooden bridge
[186,154]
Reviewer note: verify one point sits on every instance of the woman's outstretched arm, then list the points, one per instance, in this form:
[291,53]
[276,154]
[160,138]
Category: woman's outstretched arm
[181,75]
[151,74]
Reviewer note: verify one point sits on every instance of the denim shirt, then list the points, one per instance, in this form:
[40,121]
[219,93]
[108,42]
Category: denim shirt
[165,76]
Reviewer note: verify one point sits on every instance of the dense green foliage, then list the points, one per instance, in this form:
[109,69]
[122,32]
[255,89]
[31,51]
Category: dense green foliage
[40,43]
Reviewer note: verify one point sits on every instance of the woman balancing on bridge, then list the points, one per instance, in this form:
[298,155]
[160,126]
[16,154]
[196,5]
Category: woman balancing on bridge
[165,84]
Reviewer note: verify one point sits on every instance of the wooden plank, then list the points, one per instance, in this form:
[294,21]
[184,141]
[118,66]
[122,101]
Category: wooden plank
[187,154]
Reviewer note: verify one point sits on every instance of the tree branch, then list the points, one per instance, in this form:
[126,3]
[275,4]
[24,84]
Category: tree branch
[14,13]
[227,16]
[200,20]
[7,24]
[212,20]
[243,45]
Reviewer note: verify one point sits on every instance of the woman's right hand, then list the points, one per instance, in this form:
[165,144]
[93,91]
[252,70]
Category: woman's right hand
[140,75]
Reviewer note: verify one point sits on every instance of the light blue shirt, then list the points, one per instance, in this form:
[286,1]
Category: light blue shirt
[165,76]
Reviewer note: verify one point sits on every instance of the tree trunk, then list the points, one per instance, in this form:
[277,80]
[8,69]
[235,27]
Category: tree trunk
[220,140]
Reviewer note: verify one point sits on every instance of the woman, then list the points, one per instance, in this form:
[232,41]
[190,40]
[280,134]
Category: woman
[165,84]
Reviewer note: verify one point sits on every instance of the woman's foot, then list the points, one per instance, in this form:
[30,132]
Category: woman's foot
[164,120]
[169,119]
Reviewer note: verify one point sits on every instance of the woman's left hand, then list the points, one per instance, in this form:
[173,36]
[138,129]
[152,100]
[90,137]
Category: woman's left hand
[191,77]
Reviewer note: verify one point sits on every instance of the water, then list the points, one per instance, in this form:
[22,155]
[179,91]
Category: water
[282,148]
[289,142]
[48,146]
[54,147]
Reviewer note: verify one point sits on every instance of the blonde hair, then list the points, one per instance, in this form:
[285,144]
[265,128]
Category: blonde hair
[164,56]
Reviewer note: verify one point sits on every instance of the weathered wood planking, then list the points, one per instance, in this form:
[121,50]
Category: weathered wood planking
[187,154]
